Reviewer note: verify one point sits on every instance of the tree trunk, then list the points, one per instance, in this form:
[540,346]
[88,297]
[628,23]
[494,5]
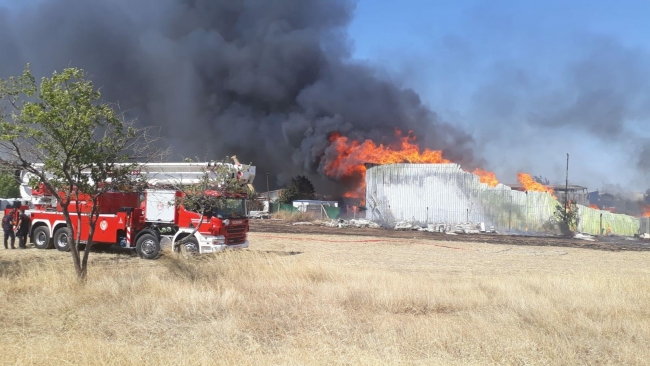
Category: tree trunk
[92,223]
[73,242]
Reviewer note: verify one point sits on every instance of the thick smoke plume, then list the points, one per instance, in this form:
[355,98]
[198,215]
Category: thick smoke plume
[268,80]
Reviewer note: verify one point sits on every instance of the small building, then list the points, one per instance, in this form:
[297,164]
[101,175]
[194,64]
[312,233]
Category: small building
[313,205]
[629,203]
[576,193]
[272,196]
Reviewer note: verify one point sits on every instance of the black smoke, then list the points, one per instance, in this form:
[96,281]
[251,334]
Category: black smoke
[267,80]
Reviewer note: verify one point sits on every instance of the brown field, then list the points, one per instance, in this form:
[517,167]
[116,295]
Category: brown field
[299,298]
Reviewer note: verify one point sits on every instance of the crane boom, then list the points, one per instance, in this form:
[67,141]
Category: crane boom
[161,174]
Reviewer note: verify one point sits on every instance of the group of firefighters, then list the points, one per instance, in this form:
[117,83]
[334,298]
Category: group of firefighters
[16,225]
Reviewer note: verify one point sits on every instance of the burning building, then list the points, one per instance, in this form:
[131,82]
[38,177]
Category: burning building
[401,182]
[572,192]
[445,194]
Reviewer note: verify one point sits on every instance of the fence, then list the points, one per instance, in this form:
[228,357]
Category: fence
[645,225]
[599,222]
[322,211]
[444,193]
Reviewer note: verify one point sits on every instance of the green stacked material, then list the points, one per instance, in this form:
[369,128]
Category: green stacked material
[286,207]
[612,224]
[275,207]
[332,212]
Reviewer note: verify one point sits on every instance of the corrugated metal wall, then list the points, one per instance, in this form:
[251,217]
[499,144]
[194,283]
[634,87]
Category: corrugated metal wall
[599,222]
[645,225]
[443,193]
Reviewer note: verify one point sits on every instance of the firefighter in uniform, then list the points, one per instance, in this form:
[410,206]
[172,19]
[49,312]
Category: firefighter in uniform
[8,228]
[24,223]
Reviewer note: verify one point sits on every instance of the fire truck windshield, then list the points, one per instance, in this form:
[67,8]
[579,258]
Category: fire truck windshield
[229,208]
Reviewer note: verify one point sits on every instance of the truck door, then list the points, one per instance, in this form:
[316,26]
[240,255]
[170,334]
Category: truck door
[160,206]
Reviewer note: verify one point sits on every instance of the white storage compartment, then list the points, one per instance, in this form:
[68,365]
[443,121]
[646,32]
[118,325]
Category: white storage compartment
[160,205]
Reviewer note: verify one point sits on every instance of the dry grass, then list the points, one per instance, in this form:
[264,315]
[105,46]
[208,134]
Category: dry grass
[295,216]
[308,299]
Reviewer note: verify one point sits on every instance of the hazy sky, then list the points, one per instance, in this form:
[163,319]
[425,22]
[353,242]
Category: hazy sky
[532,80]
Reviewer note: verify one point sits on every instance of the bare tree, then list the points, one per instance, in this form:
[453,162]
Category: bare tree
[75,145]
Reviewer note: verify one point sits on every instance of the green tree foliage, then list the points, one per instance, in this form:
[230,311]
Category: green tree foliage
[300,188]
[217,184]
[217,190]
[567,217]
[8,185]
[68,139]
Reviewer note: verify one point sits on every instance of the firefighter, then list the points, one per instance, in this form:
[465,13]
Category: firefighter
[8,228]
[24,222]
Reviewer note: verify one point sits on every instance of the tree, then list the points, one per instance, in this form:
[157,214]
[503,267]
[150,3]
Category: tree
[217,190]
[75,145]
[8,185]
[567,217]
[300,188]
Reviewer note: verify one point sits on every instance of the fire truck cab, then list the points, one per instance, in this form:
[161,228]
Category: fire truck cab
[145,221]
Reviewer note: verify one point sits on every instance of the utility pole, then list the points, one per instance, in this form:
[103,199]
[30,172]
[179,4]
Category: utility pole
[268,192]
[566,187]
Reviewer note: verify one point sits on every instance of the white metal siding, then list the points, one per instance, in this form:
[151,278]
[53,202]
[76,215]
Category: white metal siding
[445,194]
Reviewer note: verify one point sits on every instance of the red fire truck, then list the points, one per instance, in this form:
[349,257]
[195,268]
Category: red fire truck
[146,221]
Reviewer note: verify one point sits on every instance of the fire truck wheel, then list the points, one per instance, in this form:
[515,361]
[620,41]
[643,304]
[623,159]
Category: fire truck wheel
[41,238]
[148,246]
[190,247]
[62,239]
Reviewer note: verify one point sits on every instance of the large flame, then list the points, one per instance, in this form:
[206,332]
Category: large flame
[351,156]
[530,184]
[486,177]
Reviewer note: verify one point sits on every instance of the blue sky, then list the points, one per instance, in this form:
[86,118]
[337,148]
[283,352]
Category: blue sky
[456,53]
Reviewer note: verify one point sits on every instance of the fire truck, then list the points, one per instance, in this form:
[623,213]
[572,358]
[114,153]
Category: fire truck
[145,221]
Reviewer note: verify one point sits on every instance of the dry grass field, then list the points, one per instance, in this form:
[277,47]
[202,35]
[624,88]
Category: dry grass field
[296,299]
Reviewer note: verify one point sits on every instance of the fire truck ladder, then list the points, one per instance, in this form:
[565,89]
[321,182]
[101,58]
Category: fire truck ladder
[163,174]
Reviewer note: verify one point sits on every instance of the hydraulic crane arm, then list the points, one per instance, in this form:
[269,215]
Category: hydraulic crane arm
[162,174]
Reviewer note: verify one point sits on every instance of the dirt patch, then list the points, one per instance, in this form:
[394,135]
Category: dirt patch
[615,244]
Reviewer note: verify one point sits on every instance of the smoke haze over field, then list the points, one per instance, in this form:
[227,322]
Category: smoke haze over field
[508,87]
[529,80]
[266,80]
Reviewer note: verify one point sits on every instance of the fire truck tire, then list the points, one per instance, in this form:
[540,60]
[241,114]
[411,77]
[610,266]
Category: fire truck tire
[148,246]
[41,238]
[190,247]
[62,239]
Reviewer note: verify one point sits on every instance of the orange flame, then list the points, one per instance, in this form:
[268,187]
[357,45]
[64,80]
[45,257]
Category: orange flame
[486,177]
[646,213]
[352,155]
[349,158]
[595,207]
[531,185]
